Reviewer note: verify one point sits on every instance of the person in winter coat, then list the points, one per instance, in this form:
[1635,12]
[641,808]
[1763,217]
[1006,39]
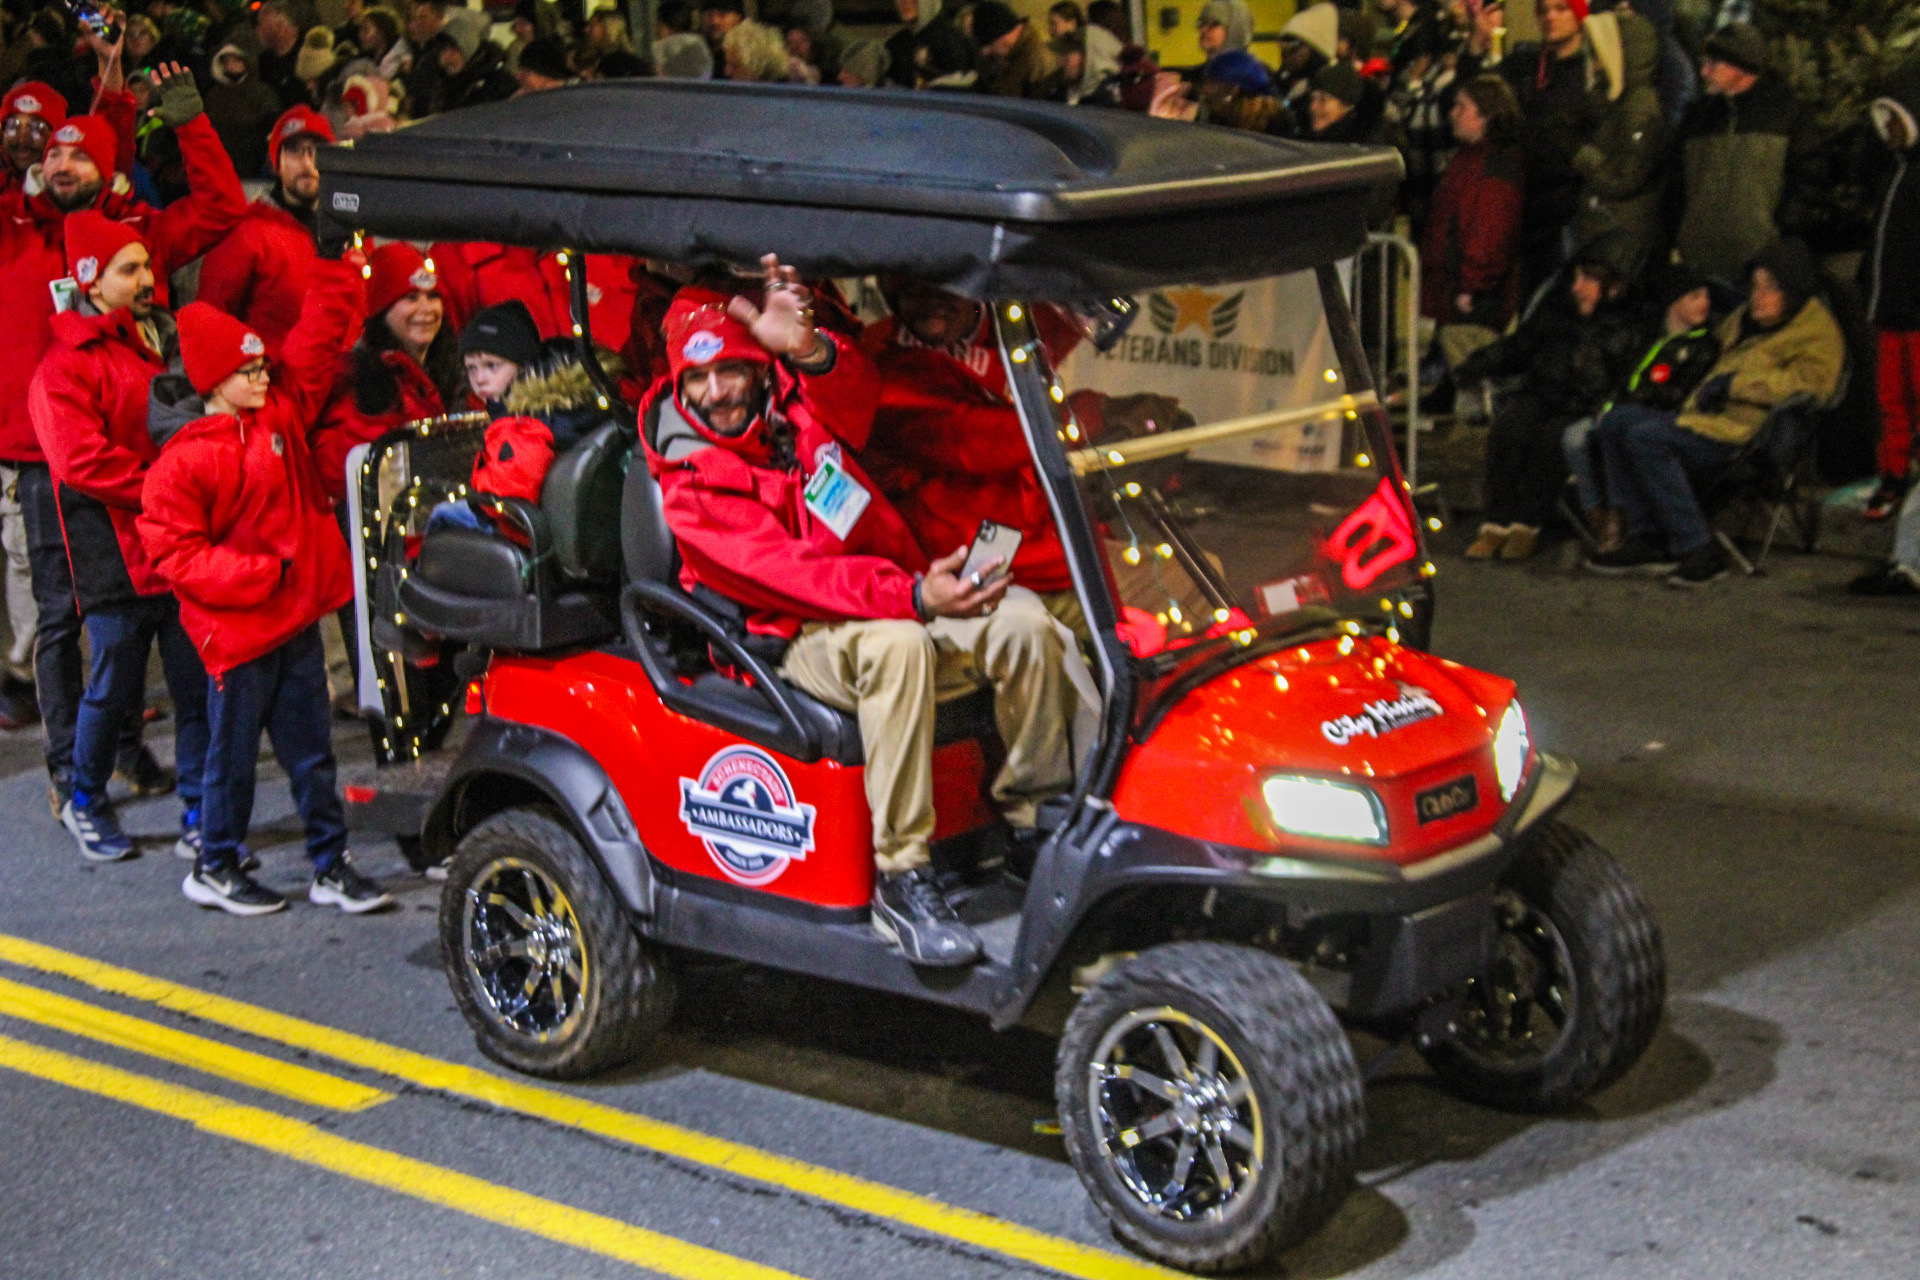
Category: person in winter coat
[241,105]
[1569,352]
[1309,41]
[929,51]
[1014,59]
[1744,148]
[29,114]
[89,405]
[1336,109]
[826,34]
[1783,343]
[405,366]
[752,438]
[1618,164]
[234,519]
[78,171]
[1678,359]
[947,447]
[473,69]
[1890,282]
[258,272]
[1469,258]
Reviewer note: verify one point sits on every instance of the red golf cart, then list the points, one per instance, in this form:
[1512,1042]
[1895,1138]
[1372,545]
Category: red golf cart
[1286,818]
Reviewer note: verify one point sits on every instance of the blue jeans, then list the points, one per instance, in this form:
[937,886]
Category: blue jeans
[122,636]
[285,693]
[1577,443]
[1649,459]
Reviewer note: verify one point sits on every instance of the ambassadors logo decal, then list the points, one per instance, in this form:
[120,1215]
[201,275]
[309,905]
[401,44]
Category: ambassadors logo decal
[743,809]
[1382,717]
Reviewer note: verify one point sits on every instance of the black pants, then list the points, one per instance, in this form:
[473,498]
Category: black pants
[59,675]
[1526,465]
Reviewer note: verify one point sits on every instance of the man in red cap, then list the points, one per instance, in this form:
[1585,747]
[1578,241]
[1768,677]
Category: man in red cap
[258,272]
[78,172]
[752,438]
[234,519]
[28,116]
[89,405]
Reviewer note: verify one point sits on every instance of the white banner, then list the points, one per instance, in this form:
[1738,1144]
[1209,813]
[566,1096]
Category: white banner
[1226,352]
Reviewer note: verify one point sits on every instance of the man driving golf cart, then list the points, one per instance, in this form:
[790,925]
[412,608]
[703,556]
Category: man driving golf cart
[752,437]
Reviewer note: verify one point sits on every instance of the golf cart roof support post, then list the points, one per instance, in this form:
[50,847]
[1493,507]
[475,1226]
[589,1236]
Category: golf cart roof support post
[579,304]
[1023,357]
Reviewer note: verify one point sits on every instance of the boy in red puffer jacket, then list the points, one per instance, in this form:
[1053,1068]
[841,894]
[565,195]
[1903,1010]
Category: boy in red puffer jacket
[234,517]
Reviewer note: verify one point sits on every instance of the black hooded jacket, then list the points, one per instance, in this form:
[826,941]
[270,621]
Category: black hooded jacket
[1890,276]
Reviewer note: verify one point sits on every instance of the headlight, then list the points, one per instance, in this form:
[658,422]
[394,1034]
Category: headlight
[1324,809]
[1510,746]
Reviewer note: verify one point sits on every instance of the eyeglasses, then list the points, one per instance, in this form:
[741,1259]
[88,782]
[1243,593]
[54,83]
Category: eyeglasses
[25,126]
[254,373]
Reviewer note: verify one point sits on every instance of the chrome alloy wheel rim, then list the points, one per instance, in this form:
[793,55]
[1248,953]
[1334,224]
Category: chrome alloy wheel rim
[525,955]
[1176,1115]
[1524,1006]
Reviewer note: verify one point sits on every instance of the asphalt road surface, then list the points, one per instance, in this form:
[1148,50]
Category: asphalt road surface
[183,1093]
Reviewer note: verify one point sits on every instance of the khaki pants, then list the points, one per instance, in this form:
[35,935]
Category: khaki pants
[1458,341]
[23,615]
[890,674]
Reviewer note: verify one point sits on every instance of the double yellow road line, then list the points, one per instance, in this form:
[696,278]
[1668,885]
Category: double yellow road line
[308,1144]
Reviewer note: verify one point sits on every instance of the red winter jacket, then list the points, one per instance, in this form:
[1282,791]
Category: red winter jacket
[948,449]
[89,408]
[356,415]
[1473,238]
[476,274]
[743,527]
[33,255]
[233,515]
[258,273]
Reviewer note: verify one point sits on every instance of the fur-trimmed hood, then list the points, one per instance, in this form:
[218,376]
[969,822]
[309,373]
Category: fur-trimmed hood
[376,390]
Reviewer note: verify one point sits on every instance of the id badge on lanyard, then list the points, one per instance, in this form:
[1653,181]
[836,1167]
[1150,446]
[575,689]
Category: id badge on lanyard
[834,496]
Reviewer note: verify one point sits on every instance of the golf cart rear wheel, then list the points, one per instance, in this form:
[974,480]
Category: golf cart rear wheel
[1210,1104]
[540,954]
[1575,989]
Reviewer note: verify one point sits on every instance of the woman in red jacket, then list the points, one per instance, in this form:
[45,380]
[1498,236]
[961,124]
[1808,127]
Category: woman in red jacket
[1469,259]
[406,365]
[233,516]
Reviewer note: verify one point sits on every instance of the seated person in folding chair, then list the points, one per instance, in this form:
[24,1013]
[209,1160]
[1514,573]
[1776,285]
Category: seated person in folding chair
[1678,359]
[752,437]
[1782,343]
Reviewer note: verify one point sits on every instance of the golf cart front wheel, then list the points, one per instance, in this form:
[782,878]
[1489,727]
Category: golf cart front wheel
[1210,1104]
[1575,987]
[542,959]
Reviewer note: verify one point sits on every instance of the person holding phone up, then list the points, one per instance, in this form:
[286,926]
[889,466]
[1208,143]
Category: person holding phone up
[751,436]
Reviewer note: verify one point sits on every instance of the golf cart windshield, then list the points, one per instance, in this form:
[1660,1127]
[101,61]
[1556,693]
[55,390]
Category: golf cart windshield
[1236,487]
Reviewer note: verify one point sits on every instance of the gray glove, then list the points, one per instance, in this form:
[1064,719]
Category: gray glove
[179,100]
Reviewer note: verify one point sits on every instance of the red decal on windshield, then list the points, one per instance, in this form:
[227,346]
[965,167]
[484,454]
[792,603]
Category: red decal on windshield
[1373,539]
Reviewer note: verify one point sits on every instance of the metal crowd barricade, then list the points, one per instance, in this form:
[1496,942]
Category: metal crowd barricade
[1385,293]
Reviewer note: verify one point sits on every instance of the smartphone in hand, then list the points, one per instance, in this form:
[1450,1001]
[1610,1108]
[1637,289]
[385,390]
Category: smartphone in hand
[991,542]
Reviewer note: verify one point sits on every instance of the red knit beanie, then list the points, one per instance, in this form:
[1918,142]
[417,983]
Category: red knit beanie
[93,135]
[35,99]
[393,271]
[699,331]
[298,119]
[213,345]
[92,240]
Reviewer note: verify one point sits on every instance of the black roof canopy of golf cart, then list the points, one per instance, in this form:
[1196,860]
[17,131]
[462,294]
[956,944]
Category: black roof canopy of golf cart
[993,197]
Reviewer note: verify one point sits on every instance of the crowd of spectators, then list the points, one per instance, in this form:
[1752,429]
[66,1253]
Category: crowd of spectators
[1622,225]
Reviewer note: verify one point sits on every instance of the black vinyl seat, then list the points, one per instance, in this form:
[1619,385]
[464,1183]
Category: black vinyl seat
[671,631]
[559,589]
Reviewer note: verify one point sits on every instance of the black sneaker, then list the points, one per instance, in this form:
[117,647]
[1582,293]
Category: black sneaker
[1885,498]
[1887,580]
[910,912]
[146,775]
[347,889]
[231,890]
[1634,556]
[1699,567]
[96,830]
